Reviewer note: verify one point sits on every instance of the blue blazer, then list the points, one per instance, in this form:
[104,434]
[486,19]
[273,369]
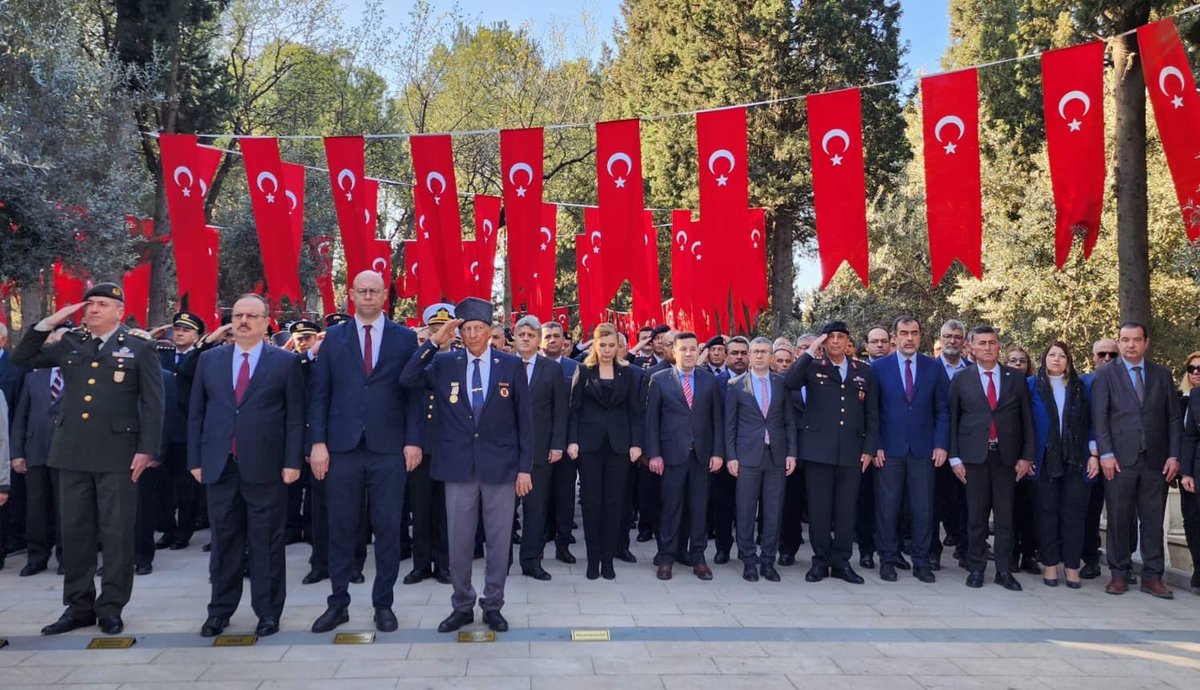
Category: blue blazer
[1041,421]
[175,417]
[346,407]
[568,368]
[672,428]
[268,424]
[492,447]
[918,427]
[33,424]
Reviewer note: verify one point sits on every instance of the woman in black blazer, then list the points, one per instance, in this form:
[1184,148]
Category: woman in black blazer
[604,432]
[1189,500]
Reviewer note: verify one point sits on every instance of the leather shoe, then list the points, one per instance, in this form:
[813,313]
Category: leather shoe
[564,554]
[143,569]
[67,623]
[1007,581]
[1090,571]
[358,579]
[950,540]
[267,626]
[535,571]
[417,575]
[769,573]
[385,619]
[441,575]
[1117,585]
[178,545]
[887,572]
[314,577]
[111,625]
[213,626]
[163,542]
[721,557]
[924,575]
[900,562]
[1131,578]
[816,573]
[750,573]
[625,555]
[664,571]
[644,536]
[32,569]
[456,620]
[495,621]
[332,618]
[702,571]
[847,574]
[975,580]
[62,569]
[1157,588]
[867,561]
[786,559]
[1029,565]
[935,563]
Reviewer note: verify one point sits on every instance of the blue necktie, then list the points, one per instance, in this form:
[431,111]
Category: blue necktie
[476,389]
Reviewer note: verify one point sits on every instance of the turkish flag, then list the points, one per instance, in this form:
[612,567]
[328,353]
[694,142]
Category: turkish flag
[541,302]
[409,283]
[521,165]
[324,248]
[208,159]
[589,272]
[620,197]
[1073,99]
[433,162]
[68,287]
[203,299]
[182,167]
[487,225]
[647,291]
[347,171]
[428,286]
[953,195]
[839,181]
[268,198]
[137,292]
[1177,112]
[724,201]
[754,278]
[682,266]
[562,316]
[293,183]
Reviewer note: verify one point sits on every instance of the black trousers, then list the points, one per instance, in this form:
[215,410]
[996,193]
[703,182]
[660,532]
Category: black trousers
[1136,494]
[152,490]
[180,496]
[243,514]
[1091,527]
[759,497]
[949,511]
[318,515]
[628,501]
[864,522]
[294,519]
[1189,506]
[990,487]
[602,482]
[427,501]
[97,508]
[379,479]
[535,507]
[686,483]
[41,515]
[722,503]
[1062,505]
[832,511]
[1025,525]
[649,498]
[904,481]
[13,513]
[561,511]
[791,526]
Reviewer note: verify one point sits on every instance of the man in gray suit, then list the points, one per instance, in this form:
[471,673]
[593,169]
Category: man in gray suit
[760,442]
[1138,432]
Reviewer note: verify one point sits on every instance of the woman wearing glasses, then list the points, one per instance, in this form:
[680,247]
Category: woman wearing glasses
[1189,502]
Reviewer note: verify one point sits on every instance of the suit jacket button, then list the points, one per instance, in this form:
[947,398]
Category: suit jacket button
[95,365]
[85,415]
[476,435]
[87,398]
[842,423]
[91,382]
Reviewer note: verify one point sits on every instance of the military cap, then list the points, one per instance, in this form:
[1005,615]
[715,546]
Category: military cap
[835,327]
[474,309]
[659,330]
[109,290]
[186,319]
[303,327]
[715,340]
[436,314]
[334,319]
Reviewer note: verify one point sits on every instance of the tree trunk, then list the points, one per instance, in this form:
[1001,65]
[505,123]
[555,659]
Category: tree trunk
[160,278]
[1133,242]
[783,273]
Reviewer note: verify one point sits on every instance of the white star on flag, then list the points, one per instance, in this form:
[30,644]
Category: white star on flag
[1177,101]
[349,196]
[270,198]
[620,181]
[520,191]
[721,180]
[950,148]
[836,160]
[1074,125]
[186,192]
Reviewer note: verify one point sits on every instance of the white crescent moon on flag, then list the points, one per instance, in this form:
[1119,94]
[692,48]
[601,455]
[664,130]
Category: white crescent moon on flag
[1074,96]
[682,238]
[755,235]
[323,247]
[718,155]
[203,188]
[520,167]
[949,120]
[344,175]
[184,170]
[366,216]
[1169,72]
[375,265]
[584,261]
[432,177]
[292,198]
[547,234]
[595,238]
[264,176]
[414,267]
[835,134]
[487,227]
[474,268]
[622,158]
[421,221]
[695,246]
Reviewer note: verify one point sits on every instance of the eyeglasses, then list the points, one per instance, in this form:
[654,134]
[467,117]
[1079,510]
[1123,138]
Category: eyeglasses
[1107,355]
[1018,360]
[1193,368]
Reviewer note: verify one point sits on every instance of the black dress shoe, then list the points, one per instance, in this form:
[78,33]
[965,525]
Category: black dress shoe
[1029,565]
[786,559]
[625,555]
[213,626]
[924,575]
[750,573]
[178,545]
[495,621]
[816,573]
[1090,571]
[163,542]
[563,554]
[867,561]
[67,623]
[478,551]
[266,626]
[606,570]
[143,569]
[721,557]
[769,573]
[111,625]
[847,574]
[456,620]
[385,619]
[358,579]
[887,572]
[901,563]
[935,562]
[1007,581]
[644,536]
[975,580]
[62,569]
[206,548]
[32,569]
[332,618]
[442,575]
[417,576]
[314,577]
[535,571]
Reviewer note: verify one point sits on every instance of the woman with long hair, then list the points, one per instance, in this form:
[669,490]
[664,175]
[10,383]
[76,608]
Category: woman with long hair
[1189,502]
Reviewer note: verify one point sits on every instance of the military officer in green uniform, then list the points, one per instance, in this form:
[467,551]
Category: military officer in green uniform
[108,429]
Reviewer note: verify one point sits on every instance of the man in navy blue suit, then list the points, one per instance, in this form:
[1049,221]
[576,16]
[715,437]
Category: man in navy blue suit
[914,433]
[560,512]
[359,418]
[181,494]
[245,440]
[483,452]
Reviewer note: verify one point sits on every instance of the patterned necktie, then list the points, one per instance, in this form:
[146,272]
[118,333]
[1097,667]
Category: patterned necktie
[687,390]
[765,405]
[476,389]
[1139,385]
[368,352]
[908,380]
[991,398]
[56,386]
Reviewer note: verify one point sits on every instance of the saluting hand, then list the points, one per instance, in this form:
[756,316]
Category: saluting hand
[412,457]
[290,476]
[445,335]
[218,334]
[59,317]
[524,484]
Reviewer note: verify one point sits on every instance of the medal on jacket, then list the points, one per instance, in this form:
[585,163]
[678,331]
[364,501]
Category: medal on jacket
[454,392]
[118,376]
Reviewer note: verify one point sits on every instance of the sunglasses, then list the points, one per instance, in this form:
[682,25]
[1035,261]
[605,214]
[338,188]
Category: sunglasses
[1193,368]
[1107,355]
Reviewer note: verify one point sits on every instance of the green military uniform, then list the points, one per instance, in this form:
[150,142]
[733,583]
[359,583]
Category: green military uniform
[111,409]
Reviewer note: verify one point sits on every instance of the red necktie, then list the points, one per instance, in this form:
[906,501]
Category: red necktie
[908,380]
[991,397]
[368,352]
[687,390]
[239,390]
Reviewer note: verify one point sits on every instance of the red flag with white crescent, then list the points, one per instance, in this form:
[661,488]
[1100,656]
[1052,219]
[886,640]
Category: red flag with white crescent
[521,166]
[324,248]
[347,172]
[682,265]
[208,159]
[471,259]
[182,177]
[293,183]
[754,279]
[541,302]
[433,162]
[409,283]
[268,198]
[647,291]
[1073,99]
[487,225]
[1176,103]
[202,299]
[428,286]
[136,284]
[589,268]
[562,315]
[953,193]
[620,197]
[68,287]
[839,181]
[723,151]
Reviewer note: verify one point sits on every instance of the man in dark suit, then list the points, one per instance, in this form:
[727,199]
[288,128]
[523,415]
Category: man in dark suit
[991,441]
[649,484]
[12,524]
[1138,429]
[152,487]
[838,439]
[914,433]
[182,492]
[548,399]
[484,452]
[108,429]
[245,440]
[722,490]
[760,444]
[560,510]
[359,418]
[685,437]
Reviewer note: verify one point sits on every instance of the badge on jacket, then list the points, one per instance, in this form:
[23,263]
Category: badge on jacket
[503,386]
[453,392]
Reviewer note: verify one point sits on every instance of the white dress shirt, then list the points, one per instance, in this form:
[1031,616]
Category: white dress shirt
[376,336]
